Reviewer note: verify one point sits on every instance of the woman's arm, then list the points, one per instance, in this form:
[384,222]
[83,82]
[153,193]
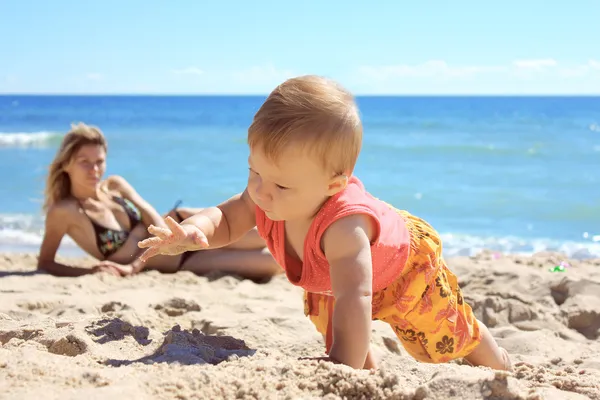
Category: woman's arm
[149,215]
[57,224]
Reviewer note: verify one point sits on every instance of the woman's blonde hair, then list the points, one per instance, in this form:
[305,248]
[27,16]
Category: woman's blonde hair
[58,184]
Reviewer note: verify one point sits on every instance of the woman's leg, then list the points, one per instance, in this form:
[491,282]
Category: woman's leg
[248,257]
[181,213]
[252,264]
[163,263]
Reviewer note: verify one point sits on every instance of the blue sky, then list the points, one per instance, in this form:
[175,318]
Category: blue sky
[248,47]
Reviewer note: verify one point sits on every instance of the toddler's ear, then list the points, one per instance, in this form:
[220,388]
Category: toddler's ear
[337,184]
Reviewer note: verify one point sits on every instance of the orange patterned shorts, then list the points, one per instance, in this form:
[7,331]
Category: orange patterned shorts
[424,306]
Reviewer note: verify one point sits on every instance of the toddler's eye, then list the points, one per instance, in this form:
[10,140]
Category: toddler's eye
[281,187]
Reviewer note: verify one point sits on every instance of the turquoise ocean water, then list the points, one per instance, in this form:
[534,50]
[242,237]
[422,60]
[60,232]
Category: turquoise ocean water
[515,174]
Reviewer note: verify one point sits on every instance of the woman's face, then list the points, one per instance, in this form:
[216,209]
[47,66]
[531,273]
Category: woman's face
[87,166]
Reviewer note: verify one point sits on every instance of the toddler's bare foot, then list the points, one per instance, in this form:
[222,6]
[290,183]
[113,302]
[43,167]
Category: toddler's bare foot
[374,358]
[507,363]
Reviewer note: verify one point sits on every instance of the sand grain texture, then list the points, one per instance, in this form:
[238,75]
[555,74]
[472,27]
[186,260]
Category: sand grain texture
[181,336]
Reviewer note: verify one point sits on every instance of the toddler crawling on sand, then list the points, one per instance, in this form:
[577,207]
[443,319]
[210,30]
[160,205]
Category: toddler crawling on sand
[357,258]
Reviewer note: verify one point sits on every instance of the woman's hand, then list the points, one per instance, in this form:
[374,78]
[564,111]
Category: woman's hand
[175,239]
[113,268]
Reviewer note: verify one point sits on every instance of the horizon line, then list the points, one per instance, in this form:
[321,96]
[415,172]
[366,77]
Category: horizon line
[65,94]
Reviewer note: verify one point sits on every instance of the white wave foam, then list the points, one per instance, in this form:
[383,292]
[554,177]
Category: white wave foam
[24,222]
[24,230]
[18,230]
[467,245]
[25,139]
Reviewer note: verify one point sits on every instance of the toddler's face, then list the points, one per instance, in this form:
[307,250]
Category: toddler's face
[293,189]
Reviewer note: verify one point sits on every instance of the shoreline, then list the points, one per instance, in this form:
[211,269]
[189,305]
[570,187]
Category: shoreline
[71,250]
[161,336]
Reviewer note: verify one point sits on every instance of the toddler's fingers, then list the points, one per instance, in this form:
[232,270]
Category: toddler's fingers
[151,252]
[200,240]
[153,241]
[162,233]
[176,229]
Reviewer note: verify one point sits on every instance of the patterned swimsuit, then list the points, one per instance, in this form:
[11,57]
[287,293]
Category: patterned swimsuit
[111,240]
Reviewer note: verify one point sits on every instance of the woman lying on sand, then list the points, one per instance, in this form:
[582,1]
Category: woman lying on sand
[107,218]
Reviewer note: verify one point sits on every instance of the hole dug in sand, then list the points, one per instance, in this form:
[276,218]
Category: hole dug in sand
[69,345]
[114,306]
[560,292]
[110,329]
[579,301]
[177,306]
[193,347]
[586,322]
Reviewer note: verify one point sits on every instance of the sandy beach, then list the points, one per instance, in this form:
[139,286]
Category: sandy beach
[181,336]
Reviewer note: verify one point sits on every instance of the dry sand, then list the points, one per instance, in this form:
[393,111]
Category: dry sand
[181,336]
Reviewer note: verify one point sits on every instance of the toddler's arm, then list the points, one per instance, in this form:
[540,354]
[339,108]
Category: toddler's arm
[227,222]
[347,246]
[211,228]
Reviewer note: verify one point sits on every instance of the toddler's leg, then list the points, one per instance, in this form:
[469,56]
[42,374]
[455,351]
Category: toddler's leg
[441,326]
[488,353]
[430,318]
[429,314]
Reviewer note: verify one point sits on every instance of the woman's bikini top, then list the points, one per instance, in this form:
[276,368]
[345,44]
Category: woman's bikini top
[111,240]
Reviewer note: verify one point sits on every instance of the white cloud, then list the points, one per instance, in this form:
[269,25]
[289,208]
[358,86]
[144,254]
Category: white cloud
[258,79]
[535,63]
[573,71]
[543,75]
[593,64]
[188,71]
[263,74]
[430,68]
[94,76]
[523,69]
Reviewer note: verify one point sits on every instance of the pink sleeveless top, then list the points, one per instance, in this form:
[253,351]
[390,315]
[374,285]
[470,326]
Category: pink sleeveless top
[389,249]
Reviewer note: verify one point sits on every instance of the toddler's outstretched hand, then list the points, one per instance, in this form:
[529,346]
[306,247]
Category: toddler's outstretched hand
[175,239]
